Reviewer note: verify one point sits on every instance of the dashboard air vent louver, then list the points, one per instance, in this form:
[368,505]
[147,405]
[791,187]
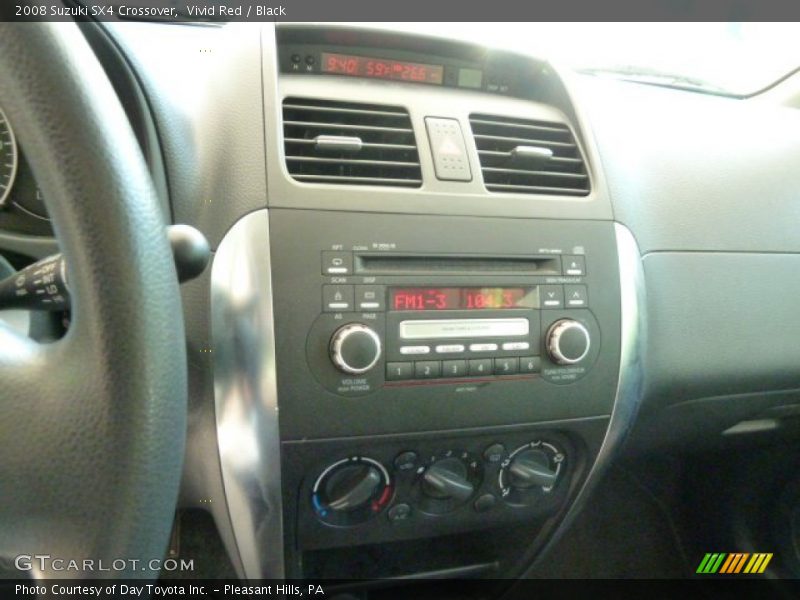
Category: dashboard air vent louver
[349,143]
[529,157]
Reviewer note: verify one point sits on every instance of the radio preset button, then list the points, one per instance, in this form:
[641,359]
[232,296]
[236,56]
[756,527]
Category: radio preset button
[576,296]
[506,366]
[370,297]
[337,263]
[516,346]
[337,298]
[480,367]
[415,350]
[449,348]
[530,364]
[398,371]
[454,368]
[483,347]
[427,369]
[551,296]
[575,265]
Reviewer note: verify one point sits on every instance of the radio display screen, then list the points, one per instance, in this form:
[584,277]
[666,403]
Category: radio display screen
[381,68]
[462,298]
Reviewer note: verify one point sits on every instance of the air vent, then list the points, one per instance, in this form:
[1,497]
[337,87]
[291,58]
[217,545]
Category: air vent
[347,143]
[529,157]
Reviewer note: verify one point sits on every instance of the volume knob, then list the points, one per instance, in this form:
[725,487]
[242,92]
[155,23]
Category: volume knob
[567,342]
[355,348]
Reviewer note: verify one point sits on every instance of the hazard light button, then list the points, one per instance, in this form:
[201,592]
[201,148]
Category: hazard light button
[447,147]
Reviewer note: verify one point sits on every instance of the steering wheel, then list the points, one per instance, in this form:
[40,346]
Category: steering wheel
[92,426]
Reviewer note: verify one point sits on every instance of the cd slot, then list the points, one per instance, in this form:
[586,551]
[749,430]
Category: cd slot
[416,264]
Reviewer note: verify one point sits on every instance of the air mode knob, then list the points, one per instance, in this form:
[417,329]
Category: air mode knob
[531,468]
[568,342]
[355,348]
[531,473]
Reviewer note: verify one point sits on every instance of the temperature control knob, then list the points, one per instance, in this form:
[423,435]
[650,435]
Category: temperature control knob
[351,491]
[568,342]
[352,486]
[355,348]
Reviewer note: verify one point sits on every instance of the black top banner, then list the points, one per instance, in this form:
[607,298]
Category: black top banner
[393,11]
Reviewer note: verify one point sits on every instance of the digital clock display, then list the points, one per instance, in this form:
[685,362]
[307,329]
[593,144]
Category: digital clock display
[381,68]
[463,298]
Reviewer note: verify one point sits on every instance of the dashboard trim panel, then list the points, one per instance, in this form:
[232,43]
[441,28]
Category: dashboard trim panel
[630,384]
[245,394]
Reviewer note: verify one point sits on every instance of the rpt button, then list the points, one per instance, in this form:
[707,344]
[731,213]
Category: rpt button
[337,263]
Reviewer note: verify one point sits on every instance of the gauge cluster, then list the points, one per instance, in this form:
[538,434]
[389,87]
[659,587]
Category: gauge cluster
[22,208]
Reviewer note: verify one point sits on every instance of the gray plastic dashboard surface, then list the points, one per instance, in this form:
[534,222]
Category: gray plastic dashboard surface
[203,84]
[689,171]
[720,324]
[710,188]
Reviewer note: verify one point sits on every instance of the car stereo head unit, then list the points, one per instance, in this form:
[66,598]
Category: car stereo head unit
[396,319]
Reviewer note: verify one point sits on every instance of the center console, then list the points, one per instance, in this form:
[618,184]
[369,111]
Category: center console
[426,347]
[438,374]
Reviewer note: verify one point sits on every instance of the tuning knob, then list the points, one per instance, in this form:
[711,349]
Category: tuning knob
[446,479]
[531,468]
[568,342]
[355,348]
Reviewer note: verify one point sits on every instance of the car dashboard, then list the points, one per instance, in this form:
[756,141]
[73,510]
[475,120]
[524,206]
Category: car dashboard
[451,286]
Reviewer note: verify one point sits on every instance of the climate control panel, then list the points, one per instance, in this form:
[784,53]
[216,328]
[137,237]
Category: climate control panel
[411,489]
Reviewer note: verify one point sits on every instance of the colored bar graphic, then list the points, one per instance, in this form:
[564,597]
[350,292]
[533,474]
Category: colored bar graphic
[711,562]
[762,567]
[727,564]
[735,562]
[740,563]
[703,563]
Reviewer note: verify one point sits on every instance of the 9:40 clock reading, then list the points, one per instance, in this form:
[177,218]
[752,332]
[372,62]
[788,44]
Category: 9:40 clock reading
[381,68]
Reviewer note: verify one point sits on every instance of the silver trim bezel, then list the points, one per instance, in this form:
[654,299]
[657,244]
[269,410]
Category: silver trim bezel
[246,395]
[630,382]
